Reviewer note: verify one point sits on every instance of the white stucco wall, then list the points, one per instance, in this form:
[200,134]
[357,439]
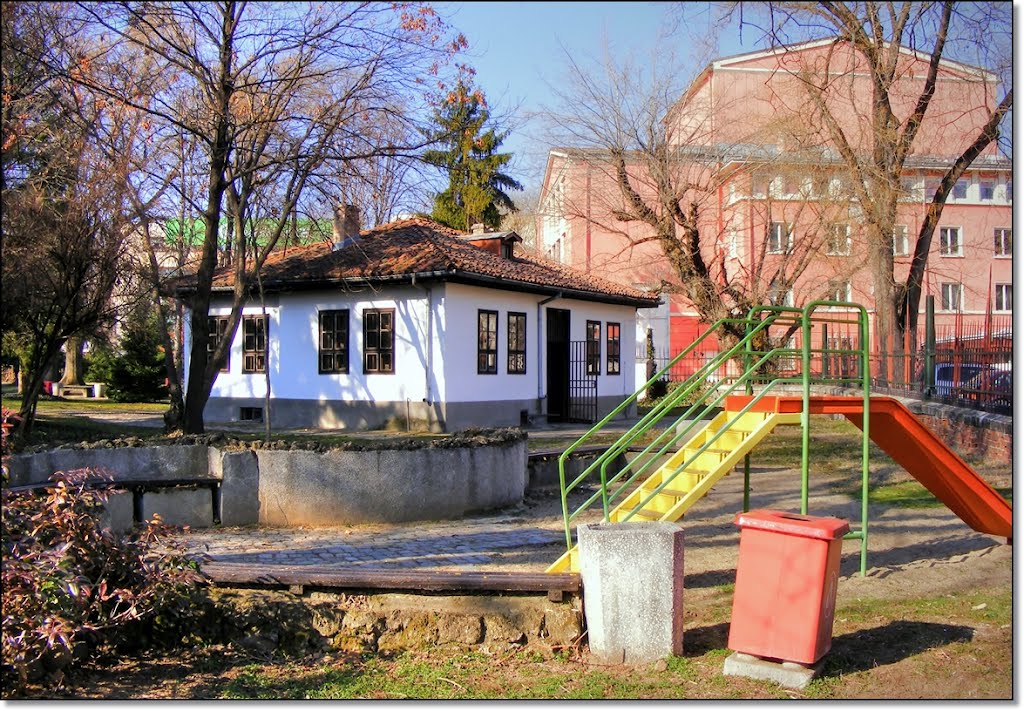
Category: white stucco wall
[293,349]
[464,384]
[449,313]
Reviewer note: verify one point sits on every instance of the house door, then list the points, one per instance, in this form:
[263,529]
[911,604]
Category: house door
[558,365]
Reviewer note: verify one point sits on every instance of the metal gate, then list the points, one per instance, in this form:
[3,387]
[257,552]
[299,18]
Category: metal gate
[582,383]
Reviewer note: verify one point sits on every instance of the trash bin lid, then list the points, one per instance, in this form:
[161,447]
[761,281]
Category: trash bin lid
[826,528]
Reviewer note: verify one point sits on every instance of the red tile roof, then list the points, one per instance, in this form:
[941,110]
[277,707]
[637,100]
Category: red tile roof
[419,246]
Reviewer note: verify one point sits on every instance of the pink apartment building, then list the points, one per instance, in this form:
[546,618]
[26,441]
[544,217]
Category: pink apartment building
[773,195]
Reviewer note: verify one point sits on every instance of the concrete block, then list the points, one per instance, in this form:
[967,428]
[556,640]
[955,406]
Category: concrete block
[118,511]
[632,576]
[788,674]
[180,507]
[239,489]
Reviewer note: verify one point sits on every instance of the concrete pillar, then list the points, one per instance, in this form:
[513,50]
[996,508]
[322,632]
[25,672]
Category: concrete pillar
[632,577]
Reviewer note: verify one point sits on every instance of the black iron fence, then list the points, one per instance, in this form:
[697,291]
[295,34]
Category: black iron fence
[968,364]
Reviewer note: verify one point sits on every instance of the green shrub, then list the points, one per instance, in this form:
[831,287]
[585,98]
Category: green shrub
[137,374]
[73,588]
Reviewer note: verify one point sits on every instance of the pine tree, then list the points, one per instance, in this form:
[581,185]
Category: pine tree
[476,184]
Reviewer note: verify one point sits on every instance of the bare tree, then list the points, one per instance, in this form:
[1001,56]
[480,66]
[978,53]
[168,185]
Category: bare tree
[64,201]
[876,146]
[655,173]
[271,94]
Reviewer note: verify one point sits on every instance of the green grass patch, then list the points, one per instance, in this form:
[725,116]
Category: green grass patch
[913,495]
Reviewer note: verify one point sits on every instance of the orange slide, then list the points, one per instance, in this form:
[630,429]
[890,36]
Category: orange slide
[917,449]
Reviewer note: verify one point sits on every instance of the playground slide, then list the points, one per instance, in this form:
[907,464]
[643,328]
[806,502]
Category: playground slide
[925,457]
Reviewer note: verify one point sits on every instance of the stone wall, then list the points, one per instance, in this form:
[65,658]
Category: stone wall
[968,432]
[269,621]
[284,487]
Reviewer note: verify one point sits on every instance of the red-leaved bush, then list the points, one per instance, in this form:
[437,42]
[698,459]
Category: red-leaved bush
[72,587]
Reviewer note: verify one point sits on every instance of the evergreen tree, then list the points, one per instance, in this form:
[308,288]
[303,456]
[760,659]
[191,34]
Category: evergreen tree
[476,184]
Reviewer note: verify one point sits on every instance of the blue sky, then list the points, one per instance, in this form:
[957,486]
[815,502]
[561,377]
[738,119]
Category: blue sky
[516,48]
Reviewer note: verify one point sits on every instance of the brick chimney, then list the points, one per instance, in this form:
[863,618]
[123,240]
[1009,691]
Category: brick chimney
[346,225]
[478,228]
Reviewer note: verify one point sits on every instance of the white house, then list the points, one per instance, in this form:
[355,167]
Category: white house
[413,321]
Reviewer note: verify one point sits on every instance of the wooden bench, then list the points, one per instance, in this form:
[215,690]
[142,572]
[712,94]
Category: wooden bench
[138,487]
[296,578]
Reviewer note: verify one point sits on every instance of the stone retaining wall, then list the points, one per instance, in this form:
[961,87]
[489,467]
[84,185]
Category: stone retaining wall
[299,488]
[269,621]
[969,432]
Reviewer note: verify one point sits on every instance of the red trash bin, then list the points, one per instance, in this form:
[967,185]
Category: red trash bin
[786,578]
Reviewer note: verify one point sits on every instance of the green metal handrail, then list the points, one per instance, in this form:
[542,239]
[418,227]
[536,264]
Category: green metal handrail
[759,319]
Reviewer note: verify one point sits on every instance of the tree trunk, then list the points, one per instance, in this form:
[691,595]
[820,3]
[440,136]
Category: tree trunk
[73,362]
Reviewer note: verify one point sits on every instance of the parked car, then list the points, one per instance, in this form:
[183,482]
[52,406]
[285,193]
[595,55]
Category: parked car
[946,382]
[991,389]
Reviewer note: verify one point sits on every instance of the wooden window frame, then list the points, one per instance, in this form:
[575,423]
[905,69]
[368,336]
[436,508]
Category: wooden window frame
[613,348]
[254,358]
[486,342]
[333,343]
[516,346]
[380,355]
[593,353]
[216,329]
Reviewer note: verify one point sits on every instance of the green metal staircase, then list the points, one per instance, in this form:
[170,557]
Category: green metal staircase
[682,461]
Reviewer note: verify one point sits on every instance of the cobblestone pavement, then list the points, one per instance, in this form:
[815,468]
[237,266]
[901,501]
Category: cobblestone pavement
[503,541]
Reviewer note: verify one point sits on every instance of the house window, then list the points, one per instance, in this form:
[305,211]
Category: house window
[217,331]
[487,342]
[333,356]
[949,242]
[838,240]
[1004,297]
[780,238]
[593,347]
[506,250]
[839,290]
[516,343]
[960,190]
[988,189]
[900,241]
[613,336]
[952,296]
[250,414]
[378,340]
[759,185]
[1004,242]
[931,186]
[254,344]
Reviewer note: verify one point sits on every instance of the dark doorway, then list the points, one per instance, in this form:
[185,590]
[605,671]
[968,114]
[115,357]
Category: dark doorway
[558,365]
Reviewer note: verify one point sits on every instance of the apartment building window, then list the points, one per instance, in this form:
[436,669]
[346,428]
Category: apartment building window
[909,188]
[217,332]
[1004,297]
[333,351]
[900,241]
[988,189]
[593,347]
[254,344]
[950,244]
[960,190]
[487,342]
[1004,242]
[516,343]
[779,295]
[838,240]
[378,340]
[780,238]
[613,342]
[931,186]
[951,295]
[759,186]
[839,290]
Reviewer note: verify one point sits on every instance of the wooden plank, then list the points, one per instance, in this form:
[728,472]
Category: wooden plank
[389,579]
